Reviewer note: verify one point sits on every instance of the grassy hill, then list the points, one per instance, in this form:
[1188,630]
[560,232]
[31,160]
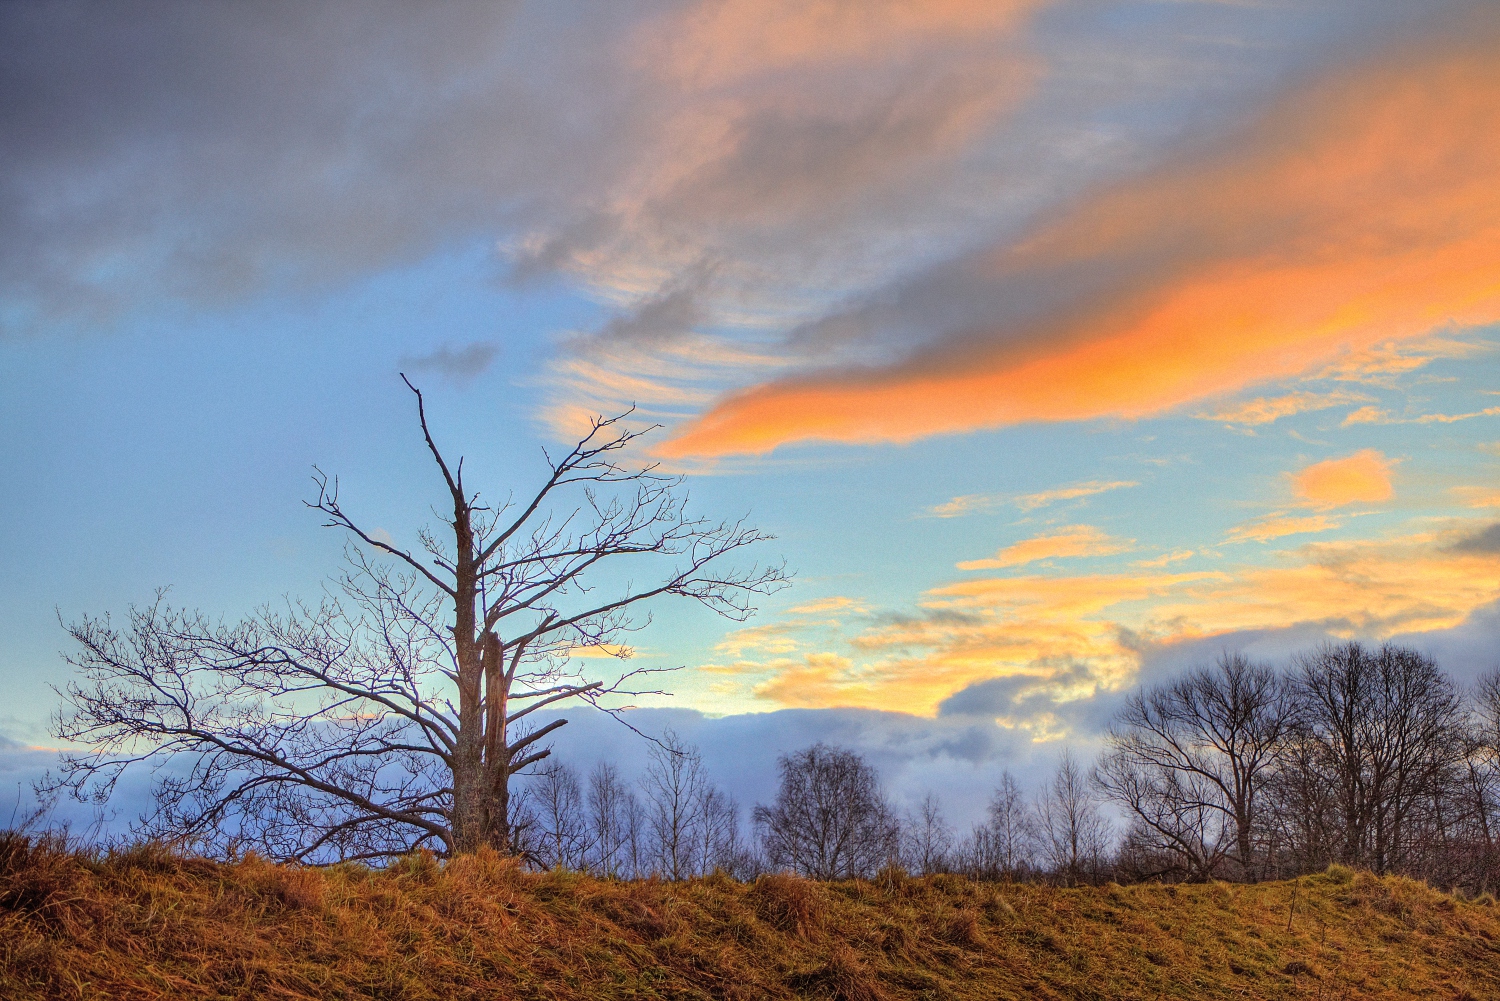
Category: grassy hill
[150,924]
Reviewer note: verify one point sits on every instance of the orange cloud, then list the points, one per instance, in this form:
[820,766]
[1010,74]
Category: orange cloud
[771,638]
[826,606]
[1354,588]
[1360,212]
[1375,588]
[1166,559]
[602,651]
[1068,637]
[1073,541]
[1059,634]
[1380,364]
[806,683]
[1366,415]
[1364,477]
[967,504]
[727,42]
[1373,415]
[1266,410]
[1276,526]
[1030,502]
[1478,496]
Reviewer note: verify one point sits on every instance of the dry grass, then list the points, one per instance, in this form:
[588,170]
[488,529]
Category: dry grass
[148,923]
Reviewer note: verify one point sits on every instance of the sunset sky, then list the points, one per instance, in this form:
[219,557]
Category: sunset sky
[1062,345]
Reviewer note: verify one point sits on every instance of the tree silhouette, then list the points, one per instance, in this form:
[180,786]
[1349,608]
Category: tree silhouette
[395,714]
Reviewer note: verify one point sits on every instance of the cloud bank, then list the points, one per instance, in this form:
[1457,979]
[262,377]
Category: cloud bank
[1357,210]
[754,191]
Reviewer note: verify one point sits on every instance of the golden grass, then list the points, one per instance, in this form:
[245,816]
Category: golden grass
[148,923]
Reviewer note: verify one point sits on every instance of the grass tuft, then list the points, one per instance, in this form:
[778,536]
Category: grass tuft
[789,904]
[842,977]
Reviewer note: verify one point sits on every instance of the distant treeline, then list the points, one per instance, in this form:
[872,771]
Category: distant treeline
[1370,757]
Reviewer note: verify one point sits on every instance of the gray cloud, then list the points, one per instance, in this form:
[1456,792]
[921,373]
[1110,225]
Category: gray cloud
[1094,260]
[458,365]
[1485,541]
[205,152]
[1278,647]
[1464,651]
[1467,650]
[1027,696]
[672,312]
[23,765]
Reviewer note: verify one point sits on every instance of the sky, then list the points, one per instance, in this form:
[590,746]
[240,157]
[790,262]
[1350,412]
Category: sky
[1063,345]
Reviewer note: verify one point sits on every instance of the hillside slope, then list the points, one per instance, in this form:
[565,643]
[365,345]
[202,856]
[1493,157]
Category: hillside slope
[149,924]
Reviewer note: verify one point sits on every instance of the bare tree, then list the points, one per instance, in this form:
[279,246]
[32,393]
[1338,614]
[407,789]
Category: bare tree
[674,786]
[610,806]
[562,836]
[525,825]
[1423,738]
[1013,827]
[830,819]
[1190,759]
[397,716]
[1302,823]
[637,838]
[1482,779]
[1384,730]
[977,855]
[1177,820]
[688,826]
[926,838]
[1003,846]
[1073,835]
[720,846]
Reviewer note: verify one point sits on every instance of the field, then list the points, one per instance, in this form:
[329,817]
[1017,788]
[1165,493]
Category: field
[147,923]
